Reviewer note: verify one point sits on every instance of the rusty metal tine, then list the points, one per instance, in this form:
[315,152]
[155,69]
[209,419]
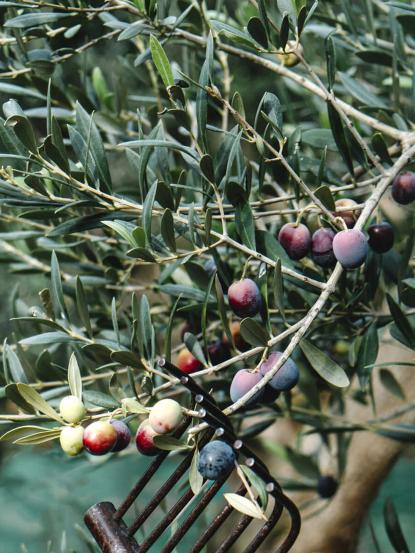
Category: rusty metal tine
[200,507]
[161,494]
[242,525]
[295,521]
[144,480]
[111,535]
[217,425]
[215,524]
[266,528]
[131,497]
[165,488]
[254,462]
[166,521]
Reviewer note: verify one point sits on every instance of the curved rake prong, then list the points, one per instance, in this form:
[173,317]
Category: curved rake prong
[215,524]
[113,536]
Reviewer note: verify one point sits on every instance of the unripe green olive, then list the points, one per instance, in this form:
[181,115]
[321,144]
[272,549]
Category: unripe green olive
[72,409]
[71,440]
[165,416]
[289,57]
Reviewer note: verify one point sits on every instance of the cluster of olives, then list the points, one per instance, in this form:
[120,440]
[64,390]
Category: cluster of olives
[349,247]
[104,436]
[283,380]
[97,438]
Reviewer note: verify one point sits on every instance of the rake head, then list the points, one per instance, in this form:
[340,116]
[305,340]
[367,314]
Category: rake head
[112,534]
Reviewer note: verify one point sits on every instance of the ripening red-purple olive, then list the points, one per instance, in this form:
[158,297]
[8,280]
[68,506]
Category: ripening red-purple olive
[403,188]
[144,439]
[219,352]
[381,237]
[244,298]
[350,248]
[187,362]
[349,217]
[322,247]
[243,381]
[295,239]
[99,437]
[287,375]
[123,435]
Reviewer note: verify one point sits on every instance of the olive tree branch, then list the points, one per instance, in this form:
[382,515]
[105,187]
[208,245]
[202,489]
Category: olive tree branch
[330,288]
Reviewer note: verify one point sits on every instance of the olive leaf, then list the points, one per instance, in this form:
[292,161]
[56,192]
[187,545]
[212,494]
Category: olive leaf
[243,505]
[74,377]
[131,405]
[33,397]
[195,478]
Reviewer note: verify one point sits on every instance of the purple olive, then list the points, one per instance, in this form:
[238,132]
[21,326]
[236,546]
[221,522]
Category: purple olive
[327,486]
[219,352]
[243,381]
[123,435]
[295,239]
[244,298]
[381,237]
[350,248]
[287,375]
[322,247]
[403,188]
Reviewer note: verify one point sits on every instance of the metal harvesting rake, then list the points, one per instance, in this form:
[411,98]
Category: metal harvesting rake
[113,535]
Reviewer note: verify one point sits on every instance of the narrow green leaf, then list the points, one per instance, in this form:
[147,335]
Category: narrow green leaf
[100,399]
[39,437]
[36,400]
[56,288]
[330,371]
[278,288]
[195,478]
[222,309]
[331,60]
[284,31]
[194,347]
[20,432]
[74,377]
[258,484]
[367,354]
[243,505]
[131,405]
[390,383]
[167,230]
[169,443]
[393,528]
[253,332]
[245,225]
[401,321]
[339,136]
[148,211]
[82,306]
[161,62]
[257,31]
[324,194]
